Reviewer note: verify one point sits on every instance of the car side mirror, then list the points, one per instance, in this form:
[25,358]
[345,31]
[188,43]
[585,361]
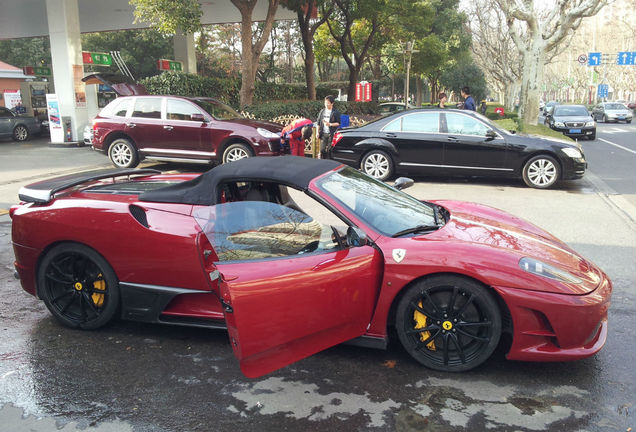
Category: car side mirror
[491,134]
[197,117]
[403,183]
[356,237]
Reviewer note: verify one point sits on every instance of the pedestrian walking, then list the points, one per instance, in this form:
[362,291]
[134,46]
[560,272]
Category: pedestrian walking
[469,102]
[328,122]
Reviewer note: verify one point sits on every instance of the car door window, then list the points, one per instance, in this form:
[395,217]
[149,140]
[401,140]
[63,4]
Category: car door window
[394,126]
[5,113]
[267,224]
[421,122]
[180,110]
[147,108]
[461,124]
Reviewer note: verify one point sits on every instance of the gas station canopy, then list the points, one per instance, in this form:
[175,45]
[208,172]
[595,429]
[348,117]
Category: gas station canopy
[28,18]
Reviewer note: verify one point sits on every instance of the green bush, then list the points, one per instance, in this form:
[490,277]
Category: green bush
[309,109]
[226,89]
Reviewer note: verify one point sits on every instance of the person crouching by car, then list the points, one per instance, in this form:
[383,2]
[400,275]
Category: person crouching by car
[328,122]
[293,136]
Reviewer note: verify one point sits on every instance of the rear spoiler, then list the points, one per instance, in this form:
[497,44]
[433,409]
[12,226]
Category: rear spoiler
[43,192]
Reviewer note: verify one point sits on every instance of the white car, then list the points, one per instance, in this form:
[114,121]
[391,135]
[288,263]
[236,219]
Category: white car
[612,112]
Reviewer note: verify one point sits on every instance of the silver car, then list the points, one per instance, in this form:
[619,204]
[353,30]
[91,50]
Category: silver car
[18,126]
[612,112]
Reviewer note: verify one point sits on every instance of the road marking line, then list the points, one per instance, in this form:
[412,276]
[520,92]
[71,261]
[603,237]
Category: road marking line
[619,146]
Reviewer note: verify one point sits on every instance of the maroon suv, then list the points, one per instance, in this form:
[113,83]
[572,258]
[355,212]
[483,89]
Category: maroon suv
[182,129]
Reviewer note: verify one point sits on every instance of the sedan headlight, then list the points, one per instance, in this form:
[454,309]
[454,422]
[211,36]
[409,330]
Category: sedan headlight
[572,152]
[559,124]
[267,134]
[590,124]
[539,268]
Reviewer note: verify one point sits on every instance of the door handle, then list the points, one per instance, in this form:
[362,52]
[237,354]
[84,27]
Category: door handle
[130,125]
[452,139]
[390,135]
[323,264]
[168,127]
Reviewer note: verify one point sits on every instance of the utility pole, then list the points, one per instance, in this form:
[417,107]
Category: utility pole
[409,52]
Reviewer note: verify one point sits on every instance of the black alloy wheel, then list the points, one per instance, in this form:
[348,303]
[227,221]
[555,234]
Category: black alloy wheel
[448,323]
[78,286]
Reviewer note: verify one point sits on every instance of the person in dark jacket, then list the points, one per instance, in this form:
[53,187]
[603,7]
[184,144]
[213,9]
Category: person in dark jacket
[469,102]
[328,122]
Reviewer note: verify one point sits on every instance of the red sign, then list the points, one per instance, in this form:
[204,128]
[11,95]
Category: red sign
[359,92]
[87,58]
[367,92]
[499,110]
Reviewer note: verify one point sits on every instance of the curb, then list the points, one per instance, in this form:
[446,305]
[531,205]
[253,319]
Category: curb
[70,144]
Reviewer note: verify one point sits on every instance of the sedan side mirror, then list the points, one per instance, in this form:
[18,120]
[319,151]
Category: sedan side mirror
[403,183]
[356,237]
[491,134]
[197,117]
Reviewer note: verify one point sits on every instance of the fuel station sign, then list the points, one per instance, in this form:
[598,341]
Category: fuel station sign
[37,70]
[97,58]
[164,65]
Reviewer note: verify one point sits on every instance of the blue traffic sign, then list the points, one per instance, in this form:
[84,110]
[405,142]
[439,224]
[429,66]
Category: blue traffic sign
[625,58]
[603,90]
[594,59]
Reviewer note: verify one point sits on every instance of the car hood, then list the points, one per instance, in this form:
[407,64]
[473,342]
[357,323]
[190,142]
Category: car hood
[618,111]
[516,238]
[573,118]
[270,126]
[522,138]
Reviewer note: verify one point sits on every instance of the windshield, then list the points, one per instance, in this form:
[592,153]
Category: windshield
[615,106]
[380,206]
[570,111]
[217,110]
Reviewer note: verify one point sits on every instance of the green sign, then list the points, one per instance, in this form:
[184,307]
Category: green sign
[37,70]
[96,58]
[164,64]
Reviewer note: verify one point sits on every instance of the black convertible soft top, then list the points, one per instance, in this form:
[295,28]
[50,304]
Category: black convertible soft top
[290,170]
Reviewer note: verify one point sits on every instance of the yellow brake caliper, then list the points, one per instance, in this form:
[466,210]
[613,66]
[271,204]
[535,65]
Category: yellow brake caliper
[420,322]
[99,285]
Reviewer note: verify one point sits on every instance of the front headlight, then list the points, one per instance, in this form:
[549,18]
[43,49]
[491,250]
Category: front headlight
[590,124]
[539,268]
[267,134]
[572,152]
[559,124]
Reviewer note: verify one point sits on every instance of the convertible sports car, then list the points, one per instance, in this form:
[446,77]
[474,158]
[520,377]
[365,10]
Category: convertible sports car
[294,255]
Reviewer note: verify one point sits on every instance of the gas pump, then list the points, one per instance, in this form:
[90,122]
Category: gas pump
[34,97]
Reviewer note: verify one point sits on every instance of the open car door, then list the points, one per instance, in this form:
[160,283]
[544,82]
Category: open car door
[290,286]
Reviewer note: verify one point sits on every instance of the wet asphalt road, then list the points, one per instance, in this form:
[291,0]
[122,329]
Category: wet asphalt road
[141,377]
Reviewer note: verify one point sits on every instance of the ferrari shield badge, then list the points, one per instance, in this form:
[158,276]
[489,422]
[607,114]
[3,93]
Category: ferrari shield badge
[399,254]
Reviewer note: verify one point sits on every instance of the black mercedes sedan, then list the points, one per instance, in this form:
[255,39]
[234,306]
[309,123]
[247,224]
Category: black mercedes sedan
[444,142]
[573,121]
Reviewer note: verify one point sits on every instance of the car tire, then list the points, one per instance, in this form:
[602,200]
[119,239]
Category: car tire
[592,137]
[605,120]
[628,121]
[377,164]
[236,152]
[541,172]
[448,323]
[123,154]
[78,286]
[20,133]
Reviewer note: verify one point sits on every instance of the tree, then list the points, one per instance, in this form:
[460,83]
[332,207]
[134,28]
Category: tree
[326,49]
[308,27]
[185,15]
[465,73]
[354,24]
[536,32]
[494,49]
[26,52]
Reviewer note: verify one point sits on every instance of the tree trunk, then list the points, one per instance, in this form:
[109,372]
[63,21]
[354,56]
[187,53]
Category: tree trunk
[310,58]
[533,60]
[419,92]
[353,80]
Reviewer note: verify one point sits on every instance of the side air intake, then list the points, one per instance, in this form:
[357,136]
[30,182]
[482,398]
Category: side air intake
[139,214]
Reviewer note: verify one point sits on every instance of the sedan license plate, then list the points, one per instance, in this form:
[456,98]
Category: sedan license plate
[575,130]
[621,117]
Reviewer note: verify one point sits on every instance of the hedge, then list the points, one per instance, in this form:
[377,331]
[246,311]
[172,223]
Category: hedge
[225,89]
